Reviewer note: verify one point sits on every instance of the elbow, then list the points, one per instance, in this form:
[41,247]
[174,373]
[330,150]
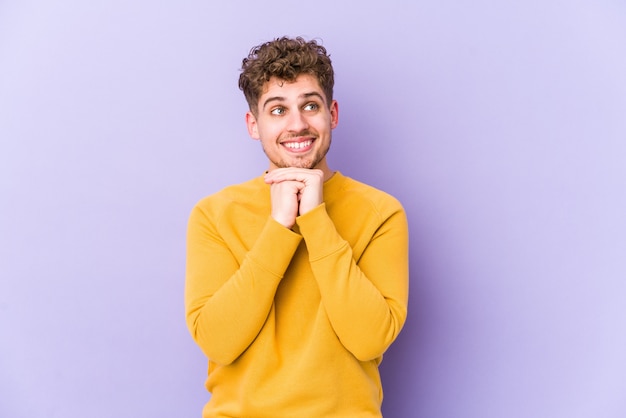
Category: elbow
[371,349]
[378,341]
[219,352]
[221,358]
[368,354]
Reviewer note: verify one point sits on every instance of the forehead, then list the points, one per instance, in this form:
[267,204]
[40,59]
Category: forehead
[303,84]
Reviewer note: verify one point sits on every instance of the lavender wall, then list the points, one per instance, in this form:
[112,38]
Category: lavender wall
[501,127]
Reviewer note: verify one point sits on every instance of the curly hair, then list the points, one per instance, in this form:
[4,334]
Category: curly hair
[284,58]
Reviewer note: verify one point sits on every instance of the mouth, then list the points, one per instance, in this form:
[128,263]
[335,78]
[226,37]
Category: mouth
[298,146]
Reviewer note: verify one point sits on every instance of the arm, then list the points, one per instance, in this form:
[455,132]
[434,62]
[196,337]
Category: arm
[227,300]
[366,301]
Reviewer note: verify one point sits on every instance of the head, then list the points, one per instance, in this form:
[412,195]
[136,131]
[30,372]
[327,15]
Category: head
[284,59]
[288,84]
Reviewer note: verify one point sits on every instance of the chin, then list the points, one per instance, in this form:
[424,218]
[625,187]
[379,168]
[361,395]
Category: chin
[298,164]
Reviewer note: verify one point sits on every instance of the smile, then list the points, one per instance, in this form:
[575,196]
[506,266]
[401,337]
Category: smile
[298,145]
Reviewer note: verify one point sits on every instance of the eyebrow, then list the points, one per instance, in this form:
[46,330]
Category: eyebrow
[282,99]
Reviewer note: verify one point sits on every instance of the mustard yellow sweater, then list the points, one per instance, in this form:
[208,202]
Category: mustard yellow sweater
[295,322]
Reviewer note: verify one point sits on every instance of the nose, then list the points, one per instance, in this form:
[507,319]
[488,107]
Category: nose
[297,122]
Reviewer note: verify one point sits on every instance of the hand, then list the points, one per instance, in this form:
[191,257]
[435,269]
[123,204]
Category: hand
[310,185]
[284,197]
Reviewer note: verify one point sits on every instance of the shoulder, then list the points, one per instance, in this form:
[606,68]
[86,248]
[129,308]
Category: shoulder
[242,194]
[353,200]
[351,189]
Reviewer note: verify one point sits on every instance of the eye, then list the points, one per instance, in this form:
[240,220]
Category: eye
[278,111]
[311,106]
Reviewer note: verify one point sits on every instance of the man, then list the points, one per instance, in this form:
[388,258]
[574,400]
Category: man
[297,280]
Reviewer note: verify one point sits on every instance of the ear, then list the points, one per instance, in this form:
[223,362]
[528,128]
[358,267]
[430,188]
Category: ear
[334,114]
[251,123]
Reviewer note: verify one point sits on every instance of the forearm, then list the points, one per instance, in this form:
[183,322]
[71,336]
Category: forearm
[228,300]
[223,324]
[365,302]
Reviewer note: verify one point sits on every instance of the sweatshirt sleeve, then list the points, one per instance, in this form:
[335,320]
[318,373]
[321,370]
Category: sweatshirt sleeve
[366,301]
[227,301]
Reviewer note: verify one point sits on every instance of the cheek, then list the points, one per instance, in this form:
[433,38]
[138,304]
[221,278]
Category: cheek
[323,124]
[269,136]
[270,130]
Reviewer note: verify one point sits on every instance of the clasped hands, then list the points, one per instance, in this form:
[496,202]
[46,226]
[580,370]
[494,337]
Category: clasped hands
[294,192]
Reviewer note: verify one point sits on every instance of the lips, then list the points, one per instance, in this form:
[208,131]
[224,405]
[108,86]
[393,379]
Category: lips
[298,146]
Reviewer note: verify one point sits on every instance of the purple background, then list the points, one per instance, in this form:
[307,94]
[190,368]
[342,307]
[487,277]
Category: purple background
[500,125]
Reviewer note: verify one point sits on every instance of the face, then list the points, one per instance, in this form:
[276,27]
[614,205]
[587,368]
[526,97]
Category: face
[294,123]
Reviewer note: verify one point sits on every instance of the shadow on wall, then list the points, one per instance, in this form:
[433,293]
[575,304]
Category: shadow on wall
[361,150]
[409,369]
[401,369]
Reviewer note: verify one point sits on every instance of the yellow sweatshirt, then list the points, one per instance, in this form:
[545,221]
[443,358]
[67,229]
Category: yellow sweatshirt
[294,322]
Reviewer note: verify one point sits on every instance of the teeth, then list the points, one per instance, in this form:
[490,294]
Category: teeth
[297,145]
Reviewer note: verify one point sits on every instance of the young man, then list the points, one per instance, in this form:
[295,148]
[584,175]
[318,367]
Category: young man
[297,280]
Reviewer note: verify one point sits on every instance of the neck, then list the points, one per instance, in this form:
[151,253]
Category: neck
[328,173]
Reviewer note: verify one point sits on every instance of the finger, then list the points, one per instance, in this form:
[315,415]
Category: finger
[293,174]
